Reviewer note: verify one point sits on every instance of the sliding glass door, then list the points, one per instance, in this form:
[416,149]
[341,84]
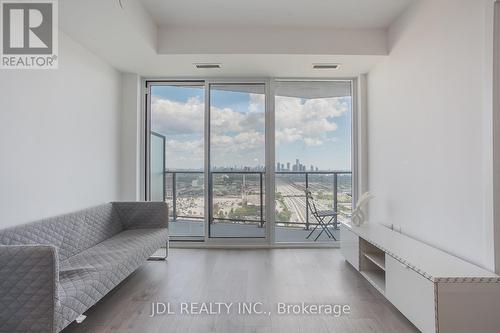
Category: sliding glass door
[237,161]
[177,131]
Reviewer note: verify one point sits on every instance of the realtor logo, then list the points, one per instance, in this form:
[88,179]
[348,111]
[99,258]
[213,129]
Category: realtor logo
[29,34]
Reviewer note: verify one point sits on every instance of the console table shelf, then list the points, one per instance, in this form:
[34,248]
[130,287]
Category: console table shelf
[376,278]
[377,259]
[433,289]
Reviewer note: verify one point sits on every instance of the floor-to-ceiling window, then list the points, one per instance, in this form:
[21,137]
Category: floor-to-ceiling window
[313,131]
[211,140]
[237,160]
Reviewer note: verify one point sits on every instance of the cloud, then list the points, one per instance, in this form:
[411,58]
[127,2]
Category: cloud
[172,117]
[237,135]
[176,118]
[311,142]
[257,103]
[245,141]
[309,121]
[176,146]
[185,152]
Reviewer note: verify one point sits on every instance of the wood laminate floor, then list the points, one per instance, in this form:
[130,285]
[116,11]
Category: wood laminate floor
[291,276]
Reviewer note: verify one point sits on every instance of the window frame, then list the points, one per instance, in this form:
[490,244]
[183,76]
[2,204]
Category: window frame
[358,153]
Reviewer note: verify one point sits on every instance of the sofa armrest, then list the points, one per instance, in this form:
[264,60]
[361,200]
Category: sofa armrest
[29,279]
[137,215]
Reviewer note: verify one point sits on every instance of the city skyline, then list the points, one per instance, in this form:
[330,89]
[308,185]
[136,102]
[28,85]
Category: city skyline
[280,167]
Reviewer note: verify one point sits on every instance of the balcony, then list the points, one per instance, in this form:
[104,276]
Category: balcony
[238,202]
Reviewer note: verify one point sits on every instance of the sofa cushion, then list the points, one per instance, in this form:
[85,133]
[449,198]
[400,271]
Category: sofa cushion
[61,231]
[70,233]
[86,277]
[100,223]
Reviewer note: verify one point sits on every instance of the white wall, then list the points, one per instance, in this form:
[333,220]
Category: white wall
[496,134]
[59,136]
[430,147]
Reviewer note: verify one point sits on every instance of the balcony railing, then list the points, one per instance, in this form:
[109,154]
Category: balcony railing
[246,189]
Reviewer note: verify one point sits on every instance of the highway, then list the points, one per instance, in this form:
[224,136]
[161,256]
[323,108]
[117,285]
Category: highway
[294,198]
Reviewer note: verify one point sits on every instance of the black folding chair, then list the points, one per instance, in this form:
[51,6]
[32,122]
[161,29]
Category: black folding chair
[323,217]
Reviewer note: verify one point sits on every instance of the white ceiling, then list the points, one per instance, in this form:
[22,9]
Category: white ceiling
[126,34]
[352,14]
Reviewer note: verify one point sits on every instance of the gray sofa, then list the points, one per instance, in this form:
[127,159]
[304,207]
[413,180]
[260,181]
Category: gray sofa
[53,270]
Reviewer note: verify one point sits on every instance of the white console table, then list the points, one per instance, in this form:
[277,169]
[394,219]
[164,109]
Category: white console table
[436,291]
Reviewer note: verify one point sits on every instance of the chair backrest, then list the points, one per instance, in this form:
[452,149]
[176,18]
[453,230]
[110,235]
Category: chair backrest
[311,202]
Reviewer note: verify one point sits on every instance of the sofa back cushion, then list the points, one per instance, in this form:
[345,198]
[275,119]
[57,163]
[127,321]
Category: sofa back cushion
[70,233]
[101,222]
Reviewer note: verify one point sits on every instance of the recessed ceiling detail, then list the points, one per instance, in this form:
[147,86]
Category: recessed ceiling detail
[279,38]
[349,14]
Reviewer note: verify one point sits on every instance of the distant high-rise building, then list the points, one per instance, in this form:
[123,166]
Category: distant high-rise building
[317,169]
[287,166]
[278,167]
[312,167]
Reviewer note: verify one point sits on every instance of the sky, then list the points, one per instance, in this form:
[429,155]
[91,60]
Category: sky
[315,131]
